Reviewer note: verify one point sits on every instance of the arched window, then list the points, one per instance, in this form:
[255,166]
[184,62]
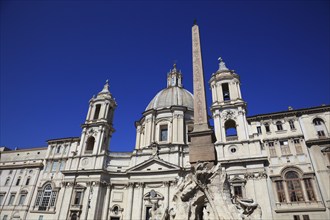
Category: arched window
[58,149]
[97,111]
[90,144]
[267,127]
[320,127]
[294,186]
[292,182]
[318,121]
[46,198]
[279,126]
[230,126]
[292,126]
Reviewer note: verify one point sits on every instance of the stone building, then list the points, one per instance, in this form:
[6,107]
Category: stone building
[268,166]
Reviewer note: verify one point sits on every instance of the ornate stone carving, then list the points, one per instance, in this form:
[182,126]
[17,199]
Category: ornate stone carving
[228,115]
[248,209]
[205,194]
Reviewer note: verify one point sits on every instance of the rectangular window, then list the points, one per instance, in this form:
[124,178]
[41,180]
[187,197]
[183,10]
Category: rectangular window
[280,191]
[2,196]
[305,217]
[163,133]
[62,165]
[295,190]
[296,217]
[77,198]
[298,146]
[22,199]
[272,151]
[41,217]
[5,217]
[52,201]
[309,189]
[238,191]
[11,199]
[225,91]
[48,165]
[55,165]
[97,111]
[267,127]
[18,181]
[321,133]
[27,181]
[291,123]
[148,208]
[279,126]
[38,198]
[259,129]
[10,172]
[285,148]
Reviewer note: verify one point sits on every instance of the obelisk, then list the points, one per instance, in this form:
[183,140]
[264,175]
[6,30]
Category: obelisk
[201,147]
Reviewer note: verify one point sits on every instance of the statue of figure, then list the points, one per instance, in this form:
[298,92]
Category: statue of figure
[205,193]
[247,207]
[156,212]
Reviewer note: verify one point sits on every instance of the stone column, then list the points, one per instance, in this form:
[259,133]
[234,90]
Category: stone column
[181,134]
[106,203]
[167,199]
[286,192]
[89,112]
[82,141]
[303,188]
[217,127]
[129,205]
[232,90]
[140,200]
[174,130]
[138,137]
[219,92]
[214,98]
[147,134]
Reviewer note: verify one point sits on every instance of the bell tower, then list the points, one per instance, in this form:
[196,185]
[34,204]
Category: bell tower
[228,108]
[97,130]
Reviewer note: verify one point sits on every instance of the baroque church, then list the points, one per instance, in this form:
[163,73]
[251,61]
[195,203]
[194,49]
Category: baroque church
[268,166]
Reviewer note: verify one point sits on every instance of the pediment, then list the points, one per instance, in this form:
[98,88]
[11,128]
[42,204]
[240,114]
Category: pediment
[237,179]
[153,165]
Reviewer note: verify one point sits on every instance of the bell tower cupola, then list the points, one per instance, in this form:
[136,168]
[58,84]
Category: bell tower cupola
[228,107]
[97,129]
[174,77]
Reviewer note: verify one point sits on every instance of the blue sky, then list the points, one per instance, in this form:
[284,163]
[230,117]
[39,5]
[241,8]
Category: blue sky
[55,55]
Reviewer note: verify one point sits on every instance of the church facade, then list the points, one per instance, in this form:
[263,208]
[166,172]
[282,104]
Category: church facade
[268,166]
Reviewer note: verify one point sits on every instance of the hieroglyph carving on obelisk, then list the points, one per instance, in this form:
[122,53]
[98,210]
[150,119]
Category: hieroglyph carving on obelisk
[200,112]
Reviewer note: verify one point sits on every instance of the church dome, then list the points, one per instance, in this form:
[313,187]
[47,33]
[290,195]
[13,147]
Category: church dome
[173,95]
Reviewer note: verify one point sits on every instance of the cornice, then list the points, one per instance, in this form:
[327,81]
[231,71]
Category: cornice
[66,139]
[297,113]
[321,141]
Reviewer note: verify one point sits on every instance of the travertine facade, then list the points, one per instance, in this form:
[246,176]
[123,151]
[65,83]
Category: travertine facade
[269,166]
